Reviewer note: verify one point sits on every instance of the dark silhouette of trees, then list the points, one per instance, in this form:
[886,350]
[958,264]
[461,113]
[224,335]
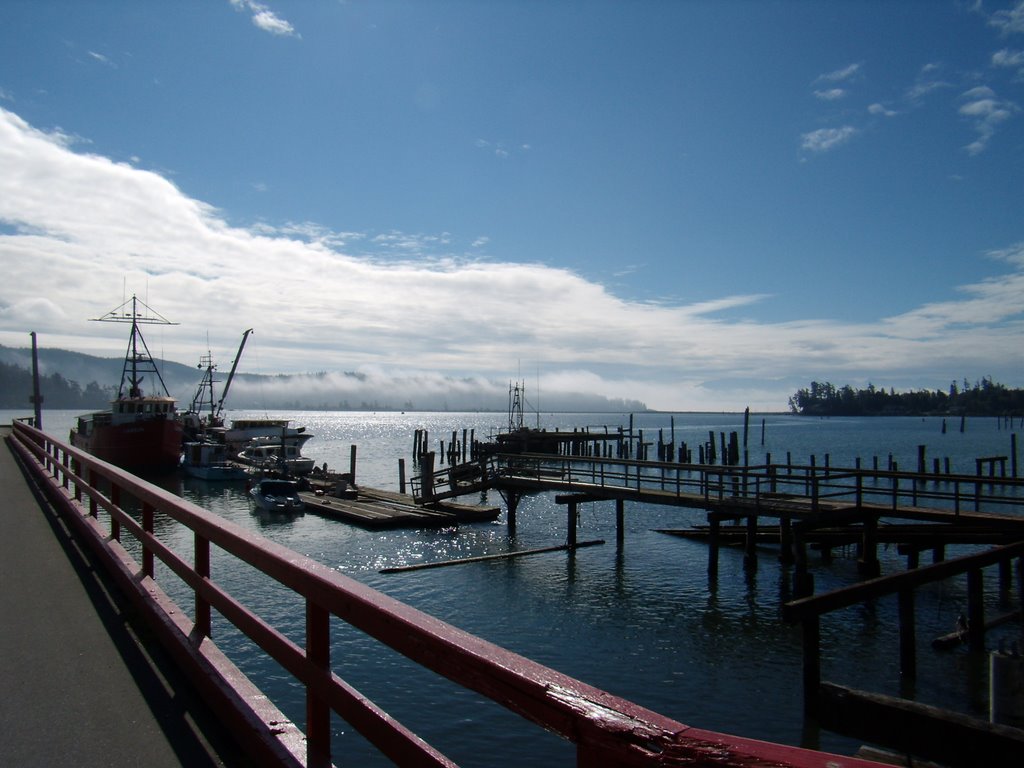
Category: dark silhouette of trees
[57,392]
[984,398]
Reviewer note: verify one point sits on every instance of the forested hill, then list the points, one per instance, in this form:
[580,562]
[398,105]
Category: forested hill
[56,391]
[984,398]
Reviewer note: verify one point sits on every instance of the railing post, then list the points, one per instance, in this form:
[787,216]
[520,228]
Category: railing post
[318,713]
[147,526]
[202,621]
[65,461]
[93,507]
[115,501]
[76,469]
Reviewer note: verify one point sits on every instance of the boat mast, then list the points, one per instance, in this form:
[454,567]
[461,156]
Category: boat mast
[231,375]
[205,392]
[137,360]
[515,406]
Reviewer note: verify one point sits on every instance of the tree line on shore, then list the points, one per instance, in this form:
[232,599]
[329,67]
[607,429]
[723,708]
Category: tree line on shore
[984,398]
[56,391]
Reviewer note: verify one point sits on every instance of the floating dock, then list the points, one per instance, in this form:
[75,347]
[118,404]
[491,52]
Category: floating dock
[375,508]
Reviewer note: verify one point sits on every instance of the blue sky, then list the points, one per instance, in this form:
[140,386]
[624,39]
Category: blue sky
[701,205]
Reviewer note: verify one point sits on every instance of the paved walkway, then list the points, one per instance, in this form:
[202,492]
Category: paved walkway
[79,685]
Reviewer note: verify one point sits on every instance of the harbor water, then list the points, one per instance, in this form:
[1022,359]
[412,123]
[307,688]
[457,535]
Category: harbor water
[642,620]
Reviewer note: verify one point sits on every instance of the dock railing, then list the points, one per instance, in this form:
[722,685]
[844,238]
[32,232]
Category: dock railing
[711,485]
[94,496]
[906,725]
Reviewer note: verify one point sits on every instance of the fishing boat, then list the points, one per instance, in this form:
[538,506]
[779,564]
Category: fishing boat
[209,460]
[139,432]
[267,455]
[204,417]
[242,432]
[273,495]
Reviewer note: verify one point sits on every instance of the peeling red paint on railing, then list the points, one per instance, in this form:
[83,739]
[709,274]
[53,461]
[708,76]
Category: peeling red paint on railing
[607,730]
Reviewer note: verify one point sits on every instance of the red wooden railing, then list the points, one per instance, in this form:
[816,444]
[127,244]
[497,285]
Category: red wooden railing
[607,730]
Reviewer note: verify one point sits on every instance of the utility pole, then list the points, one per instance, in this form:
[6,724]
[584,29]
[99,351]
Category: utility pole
[37,399]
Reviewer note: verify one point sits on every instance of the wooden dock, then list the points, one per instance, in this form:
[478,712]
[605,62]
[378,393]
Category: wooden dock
[375,508]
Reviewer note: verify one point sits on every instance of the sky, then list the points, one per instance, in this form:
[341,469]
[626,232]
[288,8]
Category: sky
[699,205]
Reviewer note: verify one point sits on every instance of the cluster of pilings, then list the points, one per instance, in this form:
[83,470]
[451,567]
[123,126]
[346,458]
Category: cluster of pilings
[600,442]
[455,452]
[628,443]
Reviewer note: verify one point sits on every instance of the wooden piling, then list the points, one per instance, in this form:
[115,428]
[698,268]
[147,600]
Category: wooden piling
[750,555]
[786,540]
[713,526]
[908,633]
[811,632]
[976,610]
[620,520]
[427,475]
[746,431]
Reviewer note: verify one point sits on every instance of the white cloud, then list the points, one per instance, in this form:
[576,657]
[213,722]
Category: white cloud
[881,109]
[1009,20]
[840,75]
[77,231]
[832,94]
[927,81]
[825,139]
[986,113]
[266,19]
[1008,58]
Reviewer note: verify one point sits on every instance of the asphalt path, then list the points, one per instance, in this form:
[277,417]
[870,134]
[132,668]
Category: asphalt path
[81,684]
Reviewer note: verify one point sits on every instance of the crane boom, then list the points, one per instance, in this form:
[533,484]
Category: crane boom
[231,375]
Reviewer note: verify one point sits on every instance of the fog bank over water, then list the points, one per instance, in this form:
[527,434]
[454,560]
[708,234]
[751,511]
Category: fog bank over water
[369,389]
[380,390]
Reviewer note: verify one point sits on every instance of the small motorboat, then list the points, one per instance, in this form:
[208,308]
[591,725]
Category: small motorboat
[275,457]
[209,461]
[273,495]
